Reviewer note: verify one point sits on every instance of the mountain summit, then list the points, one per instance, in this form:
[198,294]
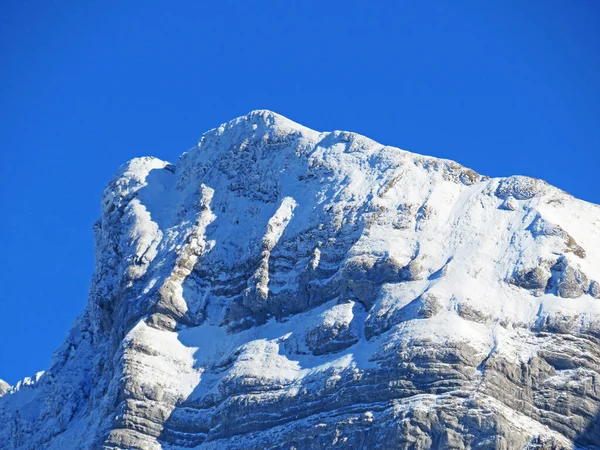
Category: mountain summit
[282,288]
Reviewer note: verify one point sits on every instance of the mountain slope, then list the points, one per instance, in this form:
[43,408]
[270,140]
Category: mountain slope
[284,288]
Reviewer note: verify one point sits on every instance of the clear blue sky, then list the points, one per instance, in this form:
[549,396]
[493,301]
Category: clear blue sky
[504,87]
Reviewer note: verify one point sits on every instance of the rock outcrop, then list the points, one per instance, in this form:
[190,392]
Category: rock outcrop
[282,288]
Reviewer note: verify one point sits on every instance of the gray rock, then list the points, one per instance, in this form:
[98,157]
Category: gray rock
[509,204]
[567,281]
[532,279]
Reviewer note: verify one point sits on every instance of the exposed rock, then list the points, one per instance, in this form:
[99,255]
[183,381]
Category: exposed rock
[535,279]
[574,247]
[509,204]
[567,281]
[520,188]
[468,312]
[540,227]
[334,330]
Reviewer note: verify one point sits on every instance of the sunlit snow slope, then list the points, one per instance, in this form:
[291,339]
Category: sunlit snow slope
[283,288]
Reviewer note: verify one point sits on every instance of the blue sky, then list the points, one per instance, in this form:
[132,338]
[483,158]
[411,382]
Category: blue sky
[504,87]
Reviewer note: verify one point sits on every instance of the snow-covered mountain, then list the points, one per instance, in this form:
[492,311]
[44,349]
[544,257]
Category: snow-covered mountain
[284,288]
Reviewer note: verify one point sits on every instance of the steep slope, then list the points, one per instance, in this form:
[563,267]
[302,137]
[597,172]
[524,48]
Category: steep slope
[284,288]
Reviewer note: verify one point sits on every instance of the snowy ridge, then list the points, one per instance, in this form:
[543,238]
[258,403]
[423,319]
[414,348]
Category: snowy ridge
[280,287]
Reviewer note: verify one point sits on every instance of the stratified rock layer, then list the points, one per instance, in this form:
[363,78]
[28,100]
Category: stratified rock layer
[281,288]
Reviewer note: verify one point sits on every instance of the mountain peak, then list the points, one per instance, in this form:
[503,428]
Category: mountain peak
[266,115]
[283,287]
[258,123]
[262,120]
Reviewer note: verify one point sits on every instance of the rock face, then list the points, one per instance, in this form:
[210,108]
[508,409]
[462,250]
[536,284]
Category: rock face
[282,288]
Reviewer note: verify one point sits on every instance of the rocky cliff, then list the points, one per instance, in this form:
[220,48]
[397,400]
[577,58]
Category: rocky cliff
[282,288]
